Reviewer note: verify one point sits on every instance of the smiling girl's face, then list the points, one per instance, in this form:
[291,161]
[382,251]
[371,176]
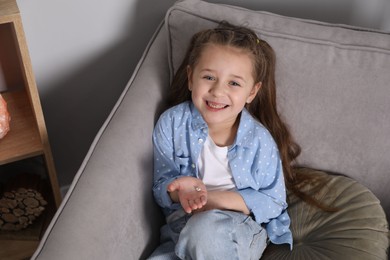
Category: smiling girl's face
[222,83]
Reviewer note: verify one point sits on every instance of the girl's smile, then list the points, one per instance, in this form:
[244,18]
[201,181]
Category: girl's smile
[214,106]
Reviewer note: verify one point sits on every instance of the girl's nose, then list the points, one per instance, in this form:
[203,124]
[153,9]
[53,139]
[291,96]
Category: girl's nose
[217,89]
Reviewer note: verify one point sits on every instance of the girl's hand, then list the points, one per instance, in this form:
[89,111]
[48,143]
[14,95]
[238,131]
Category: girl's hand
[189,191]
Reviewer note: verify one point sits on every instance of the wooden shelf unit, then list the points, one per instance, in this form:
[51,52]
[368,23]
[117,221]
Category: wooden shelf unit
[27,137]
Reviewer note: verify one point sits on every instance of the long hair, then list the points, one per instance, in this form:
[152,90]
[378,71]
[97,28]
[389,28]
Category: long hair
[263,107]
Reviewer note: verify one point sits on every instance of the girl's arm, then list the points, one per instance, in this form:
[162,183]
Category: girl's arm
[225,200]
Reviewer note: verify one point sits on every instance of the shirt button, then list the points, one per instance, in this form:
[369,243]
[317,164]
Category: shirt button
[193,165]
[200,140]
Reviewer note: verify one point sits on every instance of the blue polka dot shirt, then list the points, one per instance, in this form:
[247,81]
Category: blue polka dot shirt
[254,161]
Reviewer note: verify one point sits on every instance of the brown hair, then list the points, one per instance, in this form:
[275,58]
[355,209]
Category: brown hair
[263,107]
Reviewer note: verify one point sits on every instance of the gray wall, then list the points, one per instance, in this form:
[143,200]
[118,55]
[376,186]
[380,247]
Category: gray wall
[83,53]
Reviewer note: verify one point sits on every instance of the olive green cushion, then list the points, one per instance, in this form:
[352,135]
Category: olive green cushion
[358,230]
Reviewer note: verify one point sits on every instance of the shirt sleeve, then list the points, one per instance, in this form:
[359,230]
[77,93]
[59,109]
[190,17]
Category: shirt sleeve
[269,200]
[165,169]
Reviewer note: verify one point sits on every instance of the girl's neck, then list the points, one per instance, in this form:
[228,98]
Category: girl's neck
[224,134]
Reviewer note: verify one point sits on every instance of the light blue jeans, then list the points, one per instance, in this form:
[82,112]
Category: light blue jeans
[214,234]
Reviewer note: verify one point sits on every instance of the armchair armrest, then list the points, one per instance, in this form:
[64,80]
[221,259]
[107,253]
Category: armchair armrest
[109,212]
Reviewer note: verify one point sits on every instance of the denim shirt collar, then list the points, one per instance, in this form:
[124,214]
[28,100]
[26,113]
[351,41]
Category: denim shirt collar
[245,131]
[197,119]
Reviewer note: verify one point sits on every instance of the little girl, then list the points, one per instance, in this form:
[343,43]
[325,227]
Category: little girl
[222,153]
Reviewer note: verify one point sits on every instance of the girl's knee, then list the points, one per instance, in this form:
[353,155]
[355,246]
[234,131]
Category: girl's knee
[205,235]
[212,223]
[220,234]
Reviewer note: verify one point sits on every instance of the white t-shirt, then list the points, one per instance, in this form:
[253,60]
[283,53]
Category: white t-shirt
[213,166]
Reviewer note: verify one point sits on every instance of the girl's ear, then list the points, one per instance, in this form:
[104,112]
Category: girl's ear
[189,77]
[253,92]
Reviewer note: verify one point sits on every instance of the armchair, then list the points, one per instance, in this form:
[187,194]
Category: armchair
[333,91]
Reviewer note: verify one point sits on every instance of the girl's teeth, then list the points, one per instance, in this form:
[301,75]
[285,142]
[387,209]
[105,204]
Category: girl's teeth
[215,105]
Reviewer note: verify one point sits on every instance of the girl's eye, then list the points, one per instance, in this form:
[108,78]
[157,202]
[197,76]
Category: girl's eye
[235,84]
[208,77]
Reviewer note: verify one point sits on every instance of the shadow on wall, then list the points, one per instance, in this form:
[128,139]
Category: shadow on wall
[77,106]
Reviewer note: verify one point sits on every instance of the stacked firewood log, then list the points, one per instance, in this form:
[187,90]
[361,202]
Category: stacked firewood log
[20,207]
